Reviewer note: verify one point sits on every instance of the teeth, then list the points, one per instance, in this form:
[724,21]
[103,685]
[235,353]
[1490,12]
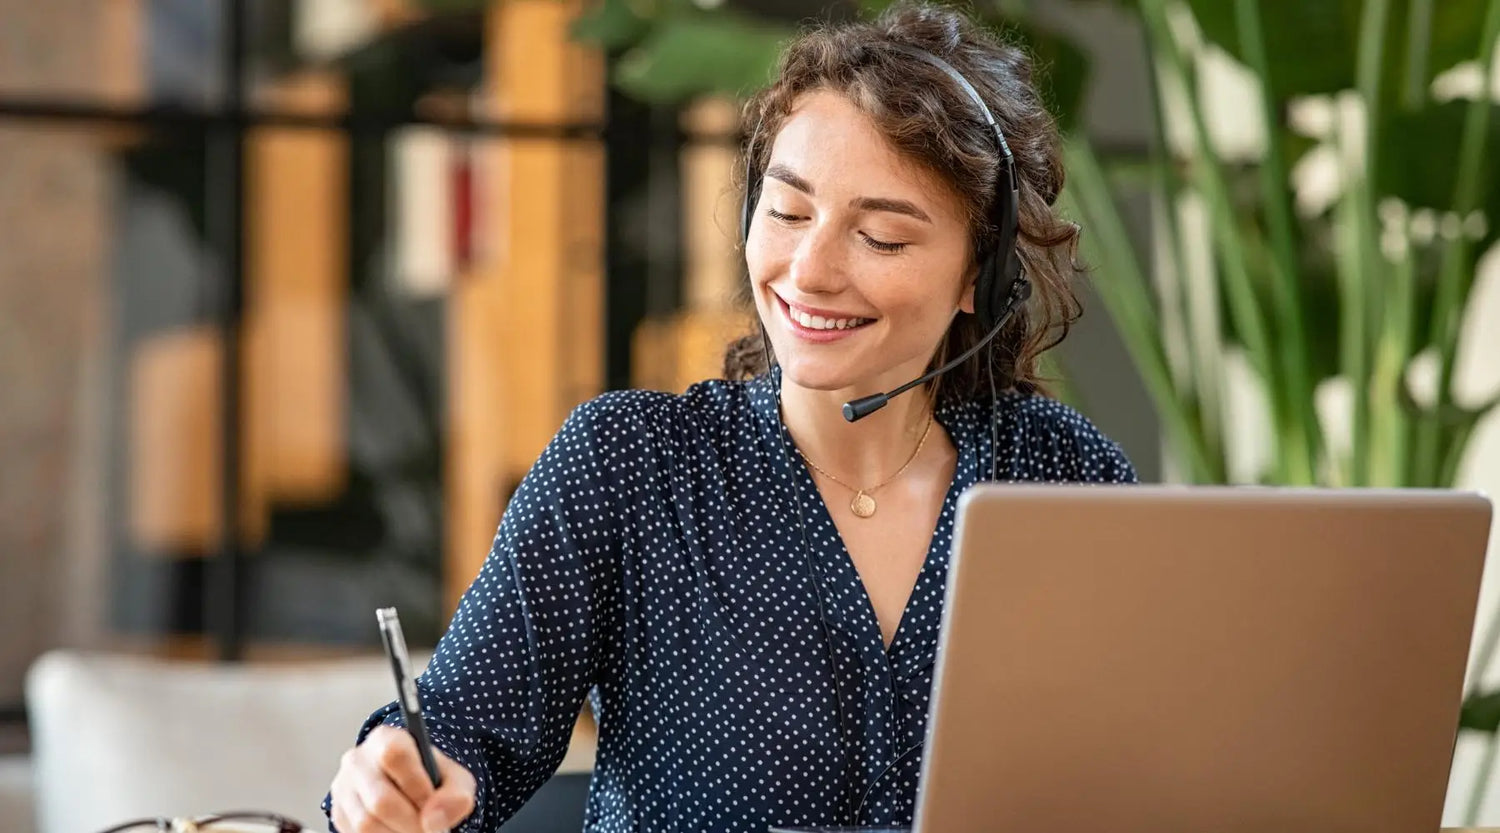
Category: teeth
[818,322]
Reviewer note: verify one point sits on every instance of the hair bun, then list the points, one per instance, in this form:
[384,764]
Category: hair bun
[940,30]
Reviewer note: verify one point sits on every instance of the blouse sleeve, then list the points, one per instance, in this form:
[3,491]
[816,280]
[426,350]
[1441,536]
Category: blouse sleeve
[1053,442]
[1101,460]
[507,681]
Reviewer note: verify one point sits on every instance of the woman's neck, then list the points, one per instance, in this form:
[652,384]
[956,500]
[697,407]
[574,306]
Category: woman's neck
[861,453]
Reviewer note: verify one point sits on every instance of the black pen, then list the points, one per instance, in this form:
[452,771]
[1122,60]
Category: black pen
[406,690]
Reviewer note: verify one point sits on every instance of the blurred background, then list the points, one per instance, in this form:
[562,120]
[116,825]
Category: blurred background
[292,293]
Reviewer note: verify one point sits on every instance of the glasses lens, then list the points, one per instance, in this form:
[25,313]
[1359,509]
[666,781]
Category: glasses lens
[248,823]
[221,823]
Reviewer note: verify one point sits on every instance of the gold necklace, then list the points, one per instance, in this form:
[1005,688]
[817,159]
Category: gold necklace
[863,506]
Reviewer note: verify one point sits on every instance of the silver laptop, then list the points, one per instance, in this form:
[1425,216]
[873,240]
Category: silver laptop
[1215,660]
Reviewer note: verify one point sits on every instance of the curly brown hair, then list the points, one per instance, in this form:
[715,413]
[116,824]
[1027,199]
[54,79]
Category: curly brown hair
[929,119]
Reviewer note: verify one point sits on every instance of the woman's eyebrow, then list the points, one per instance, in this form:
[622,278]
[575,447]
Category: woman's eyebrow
[780,171]
[888,204]
[790,177]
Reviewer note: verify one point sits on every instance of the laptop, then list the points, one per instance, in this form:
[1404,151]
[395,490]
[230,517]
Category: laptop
[1215,660]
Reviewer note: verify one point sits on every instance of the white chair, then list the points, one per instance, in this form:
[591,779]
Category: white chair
[16,794]
[116,737]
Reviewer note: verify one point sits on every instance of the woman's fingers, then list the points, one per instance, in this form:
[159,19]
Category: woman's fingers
[386,803]
[452,802]
[381,787]
[350,815]
[394,752]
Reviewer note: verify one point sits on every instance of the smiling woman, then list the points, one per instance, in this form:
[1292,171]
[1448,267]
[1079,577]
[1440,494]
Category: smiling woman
[746,586]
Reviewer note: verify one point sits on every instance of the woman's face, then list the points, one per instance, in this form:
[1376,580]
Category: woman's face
[858,257]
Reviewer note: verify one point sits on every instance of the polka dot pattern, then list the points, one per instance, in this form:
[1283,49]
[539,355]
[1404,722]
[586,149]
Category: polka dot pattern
[653,562]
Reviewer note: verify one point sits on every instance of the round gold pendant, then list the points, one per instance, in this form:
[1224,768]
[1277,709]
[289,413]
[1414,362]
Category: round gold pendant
[863,506]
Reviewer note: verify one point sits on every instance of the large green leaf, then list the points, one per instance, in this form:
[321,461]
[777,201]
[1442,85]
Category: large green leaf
[442,6]
[1419,153]
[1318,289]
[1455,33]
[1481,712]
[679,55]
[694,54]
[612,24]
[1418,163]
[1311,44]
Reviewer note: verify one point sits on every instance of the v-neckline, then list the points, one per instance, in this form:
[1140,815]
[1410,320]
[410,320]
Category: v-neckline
[869,619]
[867,624]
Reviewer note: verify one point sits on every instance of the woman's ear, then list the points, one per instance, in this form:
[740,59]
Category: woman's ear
[966,301]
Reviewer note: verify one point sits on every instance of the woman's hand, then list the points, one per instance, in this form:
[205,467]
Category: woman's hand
[381,787]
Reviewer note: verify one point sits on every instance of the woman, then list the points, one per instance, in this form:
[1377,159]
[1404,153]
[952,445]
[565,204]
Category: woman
[747,585]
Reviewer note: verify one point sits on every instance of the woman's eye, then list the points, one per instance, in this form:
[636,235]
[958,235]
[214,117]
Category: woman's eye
[881,245]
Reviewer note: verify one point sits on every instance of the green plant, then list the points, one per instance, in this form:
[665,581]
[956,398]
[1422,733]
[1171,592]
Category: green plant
[1347,294]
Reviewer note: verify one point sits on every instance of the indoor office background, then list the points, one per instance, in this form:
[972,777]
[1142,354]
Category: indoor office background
[292,292]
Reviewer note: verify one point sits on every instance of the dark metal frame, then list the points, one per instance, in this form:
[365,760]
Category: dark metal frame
[226,165]
[226,128]
[632,136]
[37,109]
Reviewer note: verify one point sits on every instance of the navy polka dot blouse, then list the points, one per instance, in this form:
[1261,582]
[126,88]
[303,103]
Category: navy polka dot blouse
[652,561]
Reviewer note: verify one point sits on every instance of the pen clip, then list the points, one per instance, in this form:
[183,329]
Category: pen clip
[395,640]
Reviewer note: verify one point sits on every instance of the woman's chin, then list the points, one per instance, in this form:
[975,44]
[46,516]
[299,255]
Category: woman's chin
[850,379]
[819,377]
[815,376]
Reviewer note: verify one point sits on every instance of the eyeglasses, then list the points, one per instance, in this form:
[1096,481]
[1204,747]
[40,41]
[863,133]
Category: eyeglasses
[246,822]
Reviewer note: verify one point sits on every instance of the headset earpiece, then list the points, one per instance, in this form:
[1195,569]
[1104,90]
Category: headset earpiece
[1001,264]
[752,191]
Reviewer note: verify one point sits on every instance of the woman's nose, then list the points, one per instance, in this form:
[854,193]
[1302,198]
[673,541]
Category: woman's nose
[817,266]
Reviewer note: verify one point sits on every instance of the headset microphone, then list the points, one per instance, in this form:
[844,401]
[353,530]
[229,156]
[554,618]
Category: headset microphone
[860,408]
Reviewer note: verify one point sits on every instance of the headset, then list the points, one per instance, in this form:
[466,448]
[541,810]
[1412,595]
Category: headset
[1000,287]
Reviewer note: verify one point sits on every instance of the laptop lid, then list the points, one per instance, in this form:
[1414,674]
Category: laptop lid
[1210,659]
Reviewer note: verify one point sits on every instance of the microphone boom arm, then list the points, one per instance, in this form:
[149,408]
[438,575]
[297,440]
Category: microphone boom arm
[864,406]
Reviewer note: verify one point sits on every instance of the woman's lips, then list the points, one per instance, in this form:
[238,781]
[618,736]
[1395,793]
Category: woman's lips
[818,335]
